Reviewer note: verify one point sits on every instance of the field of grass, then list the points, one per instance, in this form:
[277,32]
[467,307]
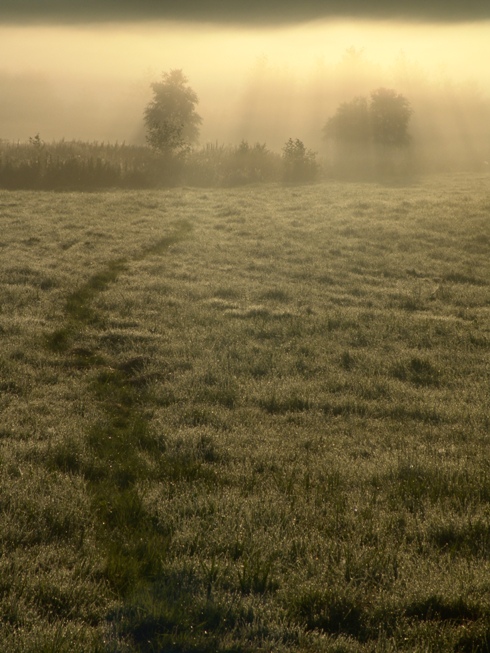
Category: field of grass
[246,420]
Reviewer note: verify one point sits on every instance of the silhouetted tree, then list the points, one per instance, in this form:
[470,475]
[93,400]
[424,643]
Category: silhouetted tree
[390,114]
[371,134]
[350,124]
[172,124]
[384,121]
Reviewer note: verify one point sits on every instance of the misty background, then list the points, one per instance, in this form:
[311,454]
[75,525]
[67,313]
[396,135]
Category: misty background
[264,88]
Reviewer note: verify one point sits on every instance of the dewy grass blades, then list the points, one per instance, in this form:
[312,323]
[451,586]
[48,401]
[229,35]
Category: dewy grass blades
[259,420]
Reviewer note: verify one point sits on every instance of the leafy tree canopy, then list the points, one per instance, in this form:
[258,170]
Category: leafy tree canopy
[350,122]
[383,120]
[390,114]
[172,123]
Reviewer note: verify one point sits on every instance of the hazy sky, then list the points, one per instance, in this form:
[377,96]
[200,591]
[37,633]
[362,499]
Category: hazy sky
[100,54]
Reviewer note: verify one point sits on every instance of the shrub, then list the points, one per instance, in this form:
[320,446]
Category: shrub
[220,165]
[299,164]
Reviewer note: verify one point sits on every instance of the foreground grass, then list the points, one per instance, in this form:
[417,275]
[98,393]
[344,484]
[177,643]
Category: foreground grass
[249,420]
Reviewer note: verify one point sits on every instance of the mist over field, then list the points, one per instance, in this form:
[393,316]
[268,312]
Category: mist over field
[262,84]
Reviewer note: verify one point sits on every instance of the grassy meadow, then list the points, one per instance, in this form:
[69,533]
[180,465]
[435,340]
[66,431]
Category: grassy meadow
[253,419]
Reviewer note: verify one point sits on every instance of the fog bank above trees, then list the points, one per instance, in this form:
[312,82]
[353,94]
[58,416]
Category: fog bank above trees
[449,126]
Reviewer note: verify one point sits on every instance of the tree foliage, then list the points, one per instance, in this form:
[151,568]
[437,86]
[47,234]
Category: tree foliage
[383,120]
[171,120]
[390,114]
[350,124]
[299,163]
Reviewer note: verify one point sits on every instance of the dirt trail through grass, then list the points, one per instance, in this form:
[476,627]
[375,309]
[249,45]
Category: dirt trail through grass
[123,449]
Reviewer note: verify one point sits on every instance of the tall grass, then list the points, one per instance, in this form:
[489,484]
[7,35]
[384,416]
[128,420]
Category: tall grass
[91,166]
[73,165]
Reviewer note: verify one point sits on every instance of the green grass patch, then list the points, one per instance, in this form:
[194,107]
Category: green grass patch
[246,420]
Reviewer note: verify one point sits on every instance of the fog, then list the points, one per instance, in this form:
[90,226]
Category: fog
[264,85]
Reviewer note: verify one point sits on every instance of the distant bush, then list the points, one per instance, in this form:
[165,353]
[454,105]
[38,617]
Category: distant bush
[220,165]
[252,164]
[299,164]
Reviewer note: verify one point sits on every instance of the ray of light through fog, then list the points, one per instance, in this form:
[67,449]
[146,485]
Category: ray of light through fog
[92,82]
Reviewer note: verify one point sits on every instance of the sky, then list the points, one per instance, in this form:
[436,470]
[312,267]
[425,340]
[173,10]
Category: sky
[83,69]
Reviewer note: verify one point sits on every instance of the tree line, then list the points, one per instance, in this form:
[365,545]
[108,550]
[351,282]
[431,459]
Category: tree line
[379,123]
[364,135]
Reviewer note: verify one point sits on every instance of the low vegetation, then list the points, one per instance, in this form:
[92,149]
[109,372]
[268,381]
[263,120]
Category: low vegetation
[246,420]
[72,165]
